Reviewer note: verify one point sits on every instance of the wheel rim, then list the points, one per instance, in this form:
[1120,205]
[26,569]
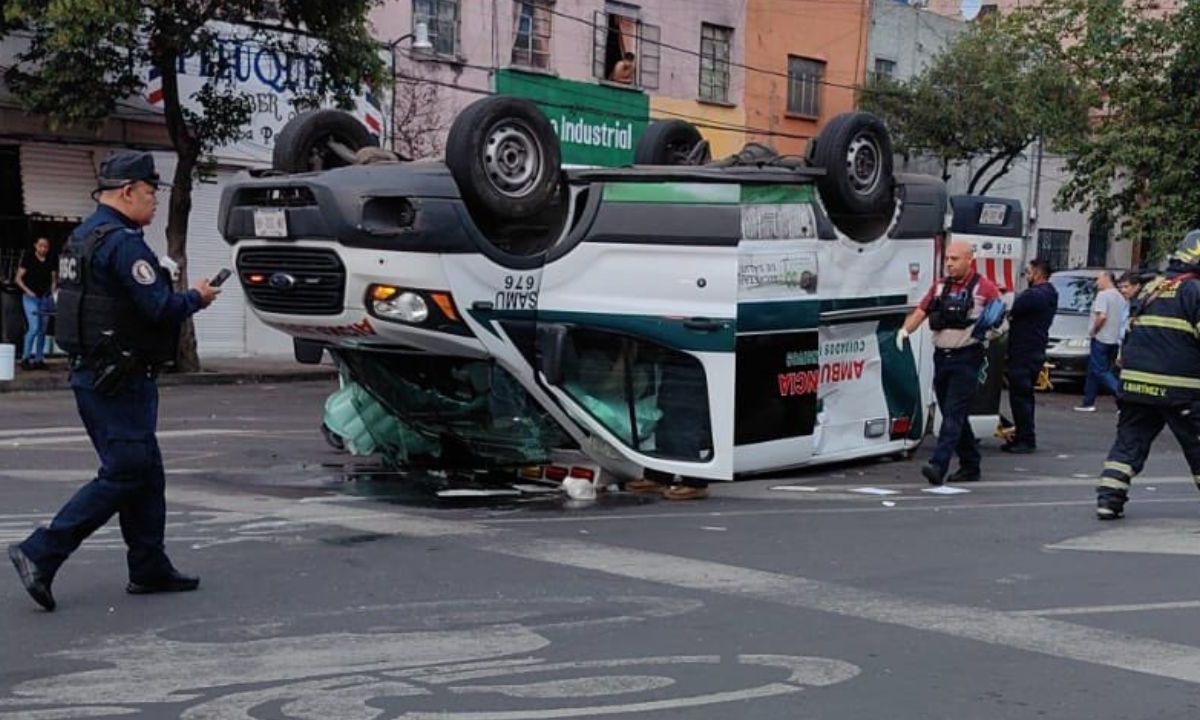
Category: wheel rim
[864,163]
[512,158]
[678,152]
[323,156]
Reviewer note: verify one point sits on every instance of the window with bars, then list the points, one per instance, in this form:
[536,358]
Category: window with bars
[884,68]
[531,34]
[442,19]
[805,77]
[715,48]
[625,49]
[1054,246]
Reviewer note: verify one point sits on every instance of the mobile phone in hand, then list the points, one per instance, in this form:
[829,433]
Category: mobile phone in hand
[220,277]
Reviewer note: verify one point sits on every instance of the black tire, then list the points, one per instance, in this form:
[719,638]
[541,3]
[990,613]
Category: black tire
[667,142]
[856,152]
[304,144]
[504,156]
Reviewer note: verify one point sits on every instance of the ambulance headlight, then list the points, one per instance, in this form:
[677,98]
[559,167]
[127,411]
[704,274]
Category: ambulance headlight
[405,306]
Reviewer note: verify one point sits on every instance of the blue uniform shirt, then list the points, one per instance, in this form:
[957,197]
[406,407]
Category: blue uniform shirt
[125,264]
[1032,312]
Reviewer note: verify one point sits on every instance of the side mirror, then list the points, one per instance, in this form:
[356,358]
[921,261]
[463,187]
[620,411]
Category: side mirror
[307,352]
[551,346]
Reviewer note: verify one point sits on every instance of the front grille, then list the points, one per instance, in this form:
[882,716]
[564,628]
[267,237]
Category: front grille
[317,280]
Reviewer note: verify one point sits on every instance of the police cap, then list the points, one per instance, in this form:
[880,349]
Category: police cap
[127,167]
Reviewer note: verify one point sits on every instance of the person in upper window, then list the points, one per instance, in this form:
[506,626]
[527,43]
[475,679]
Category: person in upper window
[624,70]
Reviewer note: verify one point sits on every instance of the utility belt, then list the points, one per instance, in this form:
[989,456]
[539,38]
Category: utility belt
[113,366]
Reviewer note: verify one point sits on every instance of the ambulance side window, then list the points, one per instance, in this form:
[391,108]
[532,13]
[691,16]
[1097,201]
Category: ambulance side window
[653,398]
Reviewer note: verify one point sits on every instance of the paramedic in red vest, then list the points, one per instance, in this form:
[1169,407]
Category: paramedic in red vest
[961,308]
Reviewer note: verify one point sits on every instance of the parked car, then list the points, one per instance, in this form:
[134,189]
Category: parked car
[1069,341]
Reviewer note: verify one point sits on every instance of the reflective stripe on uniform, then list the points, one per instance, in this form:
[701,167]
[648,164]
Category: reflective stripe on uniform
[1112,482]
[1167,323]
[1177,381]
[1119,467]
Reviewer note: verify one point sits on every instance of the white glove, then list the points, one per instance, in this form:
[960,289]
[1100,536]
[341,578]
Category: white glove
[901,336]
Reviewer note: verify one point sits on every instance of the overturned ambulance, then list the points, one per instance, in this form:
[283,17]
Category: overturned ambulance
[709,318]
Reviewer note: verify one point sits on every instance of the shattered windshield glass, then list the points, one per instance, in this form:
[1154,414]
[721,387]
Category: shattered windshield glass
[457,412]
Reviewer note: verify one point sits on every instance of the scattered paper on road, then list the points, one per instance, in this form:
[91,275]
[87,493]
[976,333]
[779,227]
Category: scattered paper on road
[889,503]
[875,491]
[794,488]
[946,490]
[713,528]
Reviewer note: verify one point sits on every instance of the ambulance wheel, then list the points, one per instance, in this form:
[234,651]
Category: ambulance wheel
[667,142]
[318,140]
[504,156]
[856,152]
[334,440]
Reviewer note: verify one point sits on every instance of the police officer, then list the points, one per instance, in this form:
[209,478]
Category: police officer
[119,320]
[960,308]
[1029,332]
[1160,377]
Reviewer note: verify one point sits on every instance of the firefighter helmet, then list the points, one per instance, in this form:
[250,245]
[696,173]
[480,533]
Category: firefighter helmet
[1188,250]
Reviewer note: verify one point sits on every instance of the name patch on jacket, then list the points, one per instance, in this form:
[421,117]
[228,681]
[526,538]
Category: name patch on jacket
[143,273]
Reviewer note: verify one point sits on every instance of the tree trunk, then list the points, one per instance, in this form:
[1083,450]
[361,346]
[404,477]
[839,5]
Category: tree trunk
[978,175]
[187,151]
[179,209]
[1001,173]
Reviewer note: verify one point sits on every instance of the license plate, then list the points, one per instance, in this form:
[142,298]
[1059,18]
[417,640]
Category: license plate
[270,223]
[992,214]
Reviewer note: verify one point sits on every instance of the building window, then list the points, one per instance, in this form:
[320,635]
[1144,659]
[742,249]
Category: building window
[1054,246]
[625,49]
[715,44]
[805,78]
[1099,232]
[442,19]
[531,34]
[884,68]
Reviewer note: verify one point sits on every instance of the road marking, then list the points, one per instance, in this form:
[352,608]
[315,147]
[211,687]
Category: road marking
[1164,537]
[37,432]
[36,440]
[1048,637]
[1105,609]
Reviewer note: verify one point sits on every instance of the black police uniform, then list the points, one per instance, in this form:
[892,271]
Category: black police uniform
[111,281]
[1160,384]
[1029,332]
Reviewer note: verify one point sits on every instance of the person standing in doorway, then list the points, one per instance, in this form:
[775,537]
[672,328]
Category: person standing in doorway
[1107,311]
[961,308]
[37,281]
[1029,332]
[119,319]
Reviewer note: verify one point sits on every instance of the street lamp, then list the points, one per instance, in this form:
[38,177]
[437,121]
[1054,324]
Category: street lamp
[420,38]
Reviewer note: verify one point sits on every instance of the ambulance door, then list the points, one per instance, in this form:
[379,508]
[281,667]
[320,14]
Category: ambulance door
[637,320]
[778,369]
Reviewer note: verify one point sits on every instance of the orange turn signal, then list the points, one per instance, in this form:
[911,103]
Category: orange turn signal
[379,293]
[256,279]
[446,304]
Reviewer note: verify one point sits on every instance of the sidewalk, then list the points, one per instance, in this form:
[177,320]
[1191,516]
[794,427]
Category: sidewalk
[217,371]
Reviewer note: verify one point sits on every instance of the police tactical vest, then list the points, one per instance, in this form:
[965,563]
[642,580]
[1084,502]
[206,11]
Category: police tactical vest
[952,310]
[87,311]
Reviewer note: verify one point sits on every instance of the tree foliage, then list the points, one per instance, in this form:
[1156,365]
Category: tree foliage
[987,97]
[1140,64]
[87,57]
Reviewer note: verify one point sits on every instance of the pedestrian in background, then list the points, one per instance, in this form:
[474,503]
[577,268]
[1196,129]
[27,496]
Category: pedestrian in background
[1107,311]
[38,281]
[961,308]
[119,319]
[1160,377]
[1128,285]
[1029,333]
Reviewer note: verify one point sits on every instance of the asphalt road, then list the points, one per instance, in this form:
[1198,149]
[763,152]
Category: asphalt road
[329,594]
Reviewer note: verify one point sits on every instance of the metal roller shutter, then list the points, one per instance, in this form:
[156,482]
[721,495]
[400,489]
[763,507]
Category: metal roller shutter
[58,179]
[221,329]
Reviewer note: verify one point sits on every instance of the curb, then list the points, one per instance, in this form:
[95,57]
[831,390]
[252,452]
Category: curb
[48,384]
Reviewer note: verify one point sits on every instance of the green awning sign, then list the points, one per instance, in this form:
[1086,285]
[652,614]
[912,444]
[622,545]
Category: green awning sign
[596,125]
